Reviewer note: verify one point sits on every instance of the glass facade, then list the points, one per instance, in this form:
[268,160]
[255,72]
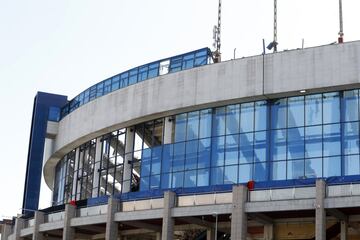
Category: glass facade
[290,138]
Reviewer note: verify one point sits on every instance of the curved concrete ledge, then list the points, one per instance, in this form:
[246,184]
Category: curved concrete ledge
[323,68]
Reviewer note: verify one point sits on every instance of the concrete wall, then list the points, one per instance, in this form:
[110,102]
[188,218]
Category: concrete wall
[316,69]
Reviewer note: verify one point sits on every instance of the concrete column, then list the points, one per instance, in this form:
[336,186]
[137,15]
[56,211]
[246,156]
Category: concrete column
[239,216]
[268,232]
[210,234]
[6,232]
[344,229]
[19,224]
[68,231]
[112,227]
[320,214]
[158,236]
[129,148]
[168,128]
[168,220]
[38,219]
[76,167]
[96,177]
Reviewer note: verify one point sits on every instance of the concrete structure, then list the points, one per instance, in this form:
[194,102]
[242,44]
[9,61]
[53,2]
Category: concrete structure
[264,147]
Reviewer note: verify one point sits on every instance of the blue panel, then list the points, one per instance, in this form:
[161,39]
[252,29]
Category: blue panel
[217,151]
[313,109]
[331,140]
[204,153]
[217,176]
[42,104]
[156,160]
[260,146]
[180,127]
[278,145]
[190,179]
[351,105]
[278,170]
[295,169]
[179,157]
[247,117]
[352,165]
[246,149]
[203,177]
[232,119]
[191,155]
[261,115]
[313,168]
[331,166]
[313,141]
[245,173]
[231,149]
[351,138]
[192,125]
[296,112]
[331,107]
[231,174]
[278,114]
[205,123]
[296,143]
[218,127]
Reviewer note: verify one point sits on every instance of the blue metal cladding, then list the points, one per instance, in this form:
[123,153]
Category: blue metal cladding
[177,63]
[46,107]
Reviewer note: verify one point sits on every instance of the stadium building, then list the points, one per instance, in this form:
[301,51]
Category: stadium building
[262,147]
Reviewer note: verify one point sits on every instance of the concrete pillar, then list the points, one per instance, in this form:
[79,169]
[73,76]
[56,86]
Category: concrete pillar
[320,214]
[76,167]
[168,220]
[238,215]
[210,234]
[344,229]
[96,176]
[19,224]
[68,231]
[112,227]
[38,219]
[129,148]
[268,232]
[168,128]
[158,236]
[6,232]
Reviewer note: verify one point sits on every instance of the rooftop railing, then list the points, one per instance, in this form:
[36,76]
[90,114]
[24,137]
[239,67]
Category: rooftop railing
[165,66]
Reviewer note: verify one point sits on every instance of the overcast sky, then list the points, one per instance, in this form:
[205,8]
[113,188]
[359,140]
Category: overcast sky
[66,46]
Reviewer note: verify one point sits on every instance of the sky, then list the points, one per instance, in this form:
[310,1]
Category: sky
[66,46]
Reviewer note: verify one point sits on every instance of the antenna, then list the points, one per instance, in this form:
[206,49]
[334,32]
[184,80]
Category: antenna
[217,37]
[275,26]
[341,32]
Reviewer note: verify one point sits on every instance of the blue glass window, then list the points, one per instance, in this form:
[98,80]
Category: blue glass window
[153,70]
[203,177]
[166,181]
[175,64]
[331,140]
[188,61]
[154,181]
[295,169]
[278,145]
[296,112]
[179,156]
[351,105]
[231,174]
[156,160]
[245,173]
[217,151]
[313,141]
[115,83]
[99,89]
[178,179]
[295,138]
[260,172]
[144,183]
[246,151]
[231,149]
[190,179]
[278,114]
[351,165]
[166,160]
[205,123]
[313,167]
[143,73]
[260,146]
[219,122]
[313,109]
[204,153]
[133,76]
[217,176]
[124,80]
[247,117]
[191,155]
[332,166]
[193,125]
[180,127]
[351,138]
[278,170]
[107,86]
[232,119]
[261,115]
[145,162]
[331,107]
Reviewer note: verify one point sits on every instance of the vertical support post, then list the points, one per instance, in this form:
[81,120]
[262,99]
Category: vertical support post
[344,228]
[6,232]
[112,227]
[129,148]
[320,214]
[76,167]
[19,224]
[210,234]
[96,178]
[239,216]
[158,236]
[168,128]
[168,220]
[38,219]
[268,231]
[68,231]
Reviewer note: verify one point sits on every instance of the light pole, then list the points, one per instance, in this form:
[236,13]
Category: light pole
[216,223]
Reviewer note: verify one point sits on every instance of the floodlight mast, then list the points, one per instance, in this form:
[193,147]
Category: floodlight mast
[341,32]
[217,37]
